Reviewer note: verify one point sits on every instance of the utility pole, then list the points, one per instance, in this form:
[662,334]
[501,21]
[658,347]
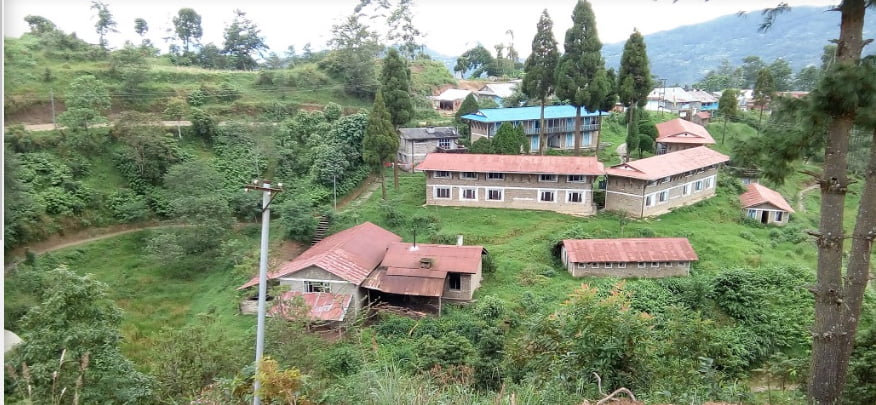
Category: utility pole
[52,97]
[268,194]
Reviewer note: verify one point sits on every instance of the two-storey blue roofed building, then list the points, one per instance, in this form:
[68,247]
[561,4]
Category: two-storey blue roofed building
[559,121]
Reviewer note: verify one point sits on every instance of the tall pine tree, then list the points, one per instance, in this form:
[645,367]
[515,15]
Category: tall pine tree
[380,144]
[395,82]
[540,69]
[634,83]
[581,78]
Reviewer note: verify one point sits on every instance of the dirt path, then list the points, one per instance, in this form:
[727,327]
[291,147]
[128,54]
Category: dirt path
[800,206]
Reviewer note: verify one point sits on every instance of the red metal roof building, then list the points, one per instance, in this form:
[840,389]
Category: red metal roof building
[530,164]
[315,306]
[632,257]
[658,167]
[765,205]
[423,270]
[678,134]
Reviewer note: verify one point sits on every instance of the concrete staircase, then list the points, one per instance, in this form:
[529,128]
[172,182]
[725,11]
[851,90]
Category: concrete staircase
[321,229]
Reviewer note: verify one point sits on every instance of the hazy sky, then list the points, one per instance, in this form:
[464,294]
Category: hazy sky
[451,26]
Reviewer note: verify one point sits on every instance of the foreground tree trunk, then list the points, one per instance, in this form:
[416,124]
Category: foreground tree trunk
[578,133]
[838,303]
[541,131]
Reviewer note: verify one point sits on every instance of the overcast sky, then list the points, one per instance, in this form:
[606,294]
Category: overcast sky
[451,26]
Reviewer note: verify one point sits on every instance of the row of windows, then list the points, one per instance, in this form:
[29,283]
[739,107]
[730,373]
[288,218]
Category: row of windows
[498,194]
[623,265]
[572,178]
[662,197]
[778,215]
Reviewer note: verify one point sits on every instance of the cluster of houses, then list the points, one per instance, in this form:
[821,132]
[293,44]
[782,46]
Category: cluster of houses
[366,263]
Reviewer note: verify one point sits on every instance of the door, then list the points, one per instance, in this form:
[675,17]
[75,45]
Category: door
[764,217]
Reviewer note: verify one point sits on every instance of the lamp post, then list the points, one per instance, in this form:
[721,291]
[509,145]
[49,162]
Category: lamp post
[268,194]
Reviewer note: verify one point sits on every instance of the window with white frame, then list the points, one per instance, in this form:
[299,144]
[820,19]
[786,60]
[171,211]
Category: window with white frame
[582,265]
[317,286]
[547,196]
[642,265]
[683,264]
[778,215]
[469,176]
[594,265]
[649,200]
[547,177]
[685,189]
[574,196]
[608,265]
[752,213]
[708,182]
[576,178]
[655,264]
[663,196]
[442,192]
[621,265]
[444,143]
[494,194]
[667,264]
[440,174]
[469,194]
[698,185]
[496,176]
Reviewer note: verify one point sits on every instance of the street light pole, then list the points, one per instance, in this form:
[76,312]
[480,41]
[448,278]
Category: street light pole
[268,193]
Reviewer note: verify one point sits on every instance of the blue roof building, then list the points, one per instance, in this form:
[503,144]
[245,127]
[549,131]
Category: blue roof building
[559,121]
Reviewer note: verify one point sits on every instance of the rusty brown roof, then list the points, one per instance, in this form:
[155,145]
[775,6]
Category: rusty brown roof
[318,306]
[400,272]
[629,250]
[657,167]
[683,131]
[472,162]
[757,194]
[350,254]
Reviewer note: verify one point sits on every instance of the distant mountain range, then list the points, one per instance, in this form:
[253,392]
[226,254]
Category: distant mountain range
[683,55]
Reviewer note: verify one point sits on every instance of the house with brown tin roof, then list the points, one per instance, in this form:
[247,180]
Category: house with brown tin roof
[679,134]
[632,257]
[765,205]
[337,264]
[554,183]
[427,273]
[656,185]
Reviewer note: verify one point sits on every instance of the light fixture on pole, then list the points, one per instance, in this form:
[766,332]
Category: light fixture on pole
[268,193]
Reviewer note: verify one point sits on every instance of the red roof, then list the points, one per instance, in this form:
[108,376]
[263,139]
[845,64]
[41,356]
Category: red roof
[319,306]
[629,250]
[401,271]
[350,254]
[471,162]
[758,194]
[657,167]
[683,131]
[704,115]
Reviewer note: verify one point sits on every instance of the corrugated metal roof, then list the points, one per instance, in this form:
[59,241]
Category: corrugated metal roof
[319,306]
[428,133]
[525,113]
[453,94]
[401,271]
[629,250]
[657,167]
[702,96]
[673,94]
[420,286]
[757,194]
[534,164]
[683,131]
[498,89]
[350,254]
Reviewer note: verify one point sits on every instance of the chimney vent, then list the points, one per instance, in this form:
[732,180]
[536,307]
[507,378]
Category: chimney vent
[426,263]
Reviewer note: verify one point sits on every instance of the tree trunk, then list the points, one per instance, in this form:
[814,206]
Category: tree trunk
[833,335]
[724,132]
[395,173]
[578,133]
[541,131]
[178,129]
[383,183]
[598,132]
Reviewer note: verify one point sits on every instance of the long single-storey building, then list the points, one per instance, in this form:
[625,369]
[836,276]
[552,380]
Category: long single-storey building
[554,183]
[655,185]
[632,257]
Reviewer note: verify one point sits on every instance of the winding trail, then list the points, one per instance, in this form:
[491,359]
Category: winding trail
[800,206]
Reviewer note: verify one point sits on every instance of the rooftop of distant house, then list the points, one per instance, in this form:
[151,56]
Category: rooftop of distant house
[532,164]
[658,167]
[629,250]
[525,113]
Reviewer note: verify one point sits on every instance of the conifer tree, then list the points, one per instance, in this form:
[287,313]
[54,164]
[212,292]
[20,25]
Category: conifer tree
[764,89]
[509,140]
[581,78]
[540,69]
[380,144]
[727,106]
[395,79]
[634,81]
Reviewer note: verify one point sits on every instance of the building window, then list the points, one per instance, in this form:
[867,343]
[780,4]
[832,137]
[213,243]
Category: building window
[649,200]
[444,143]
[469,176]
[667,264]
[708,181]
[496,176]
[594,265]
[494,194]
[442,192]
[547,177]
[582,265]
[685,190]
[752,213]
[441,175]
[546,196]
[663,196]
[621,265]
[642,264]
[698,185]
[574,196]
[608,265]
[655,264]
[469,194]
[682,264]
[778,215]
[576,178]
[454,281]
[317,287]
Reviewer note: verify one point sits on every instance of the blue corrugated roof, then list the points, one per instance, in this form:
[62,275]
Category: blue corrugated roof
[525,113]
